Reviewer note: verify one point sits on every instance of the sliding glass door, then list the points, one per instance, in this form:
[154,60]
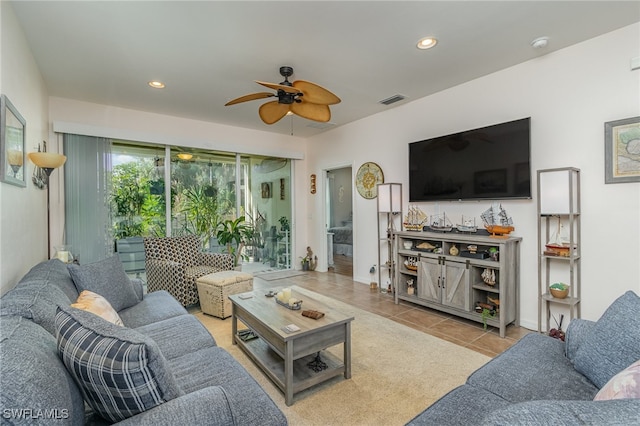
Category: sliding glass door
[205,189]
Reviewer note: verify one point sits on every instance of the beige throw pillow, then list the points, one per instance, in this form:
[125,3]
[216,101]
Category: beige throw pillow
[98,305]
[624,385]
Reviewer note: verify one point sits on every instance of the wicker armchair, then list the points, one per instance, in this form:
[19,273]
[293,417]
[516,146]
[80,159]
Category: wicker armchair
[175,263]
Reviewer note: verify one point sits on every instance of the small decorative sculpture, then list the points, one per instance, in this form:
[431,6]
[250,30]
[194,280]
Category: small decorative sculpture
[313,260]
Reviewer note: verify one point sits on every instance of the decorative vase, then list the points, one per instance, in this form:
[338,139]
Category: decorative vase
[453,251]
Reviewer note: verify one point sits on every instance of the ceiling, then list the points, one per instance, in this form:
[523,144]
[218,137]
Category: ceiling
[209,52]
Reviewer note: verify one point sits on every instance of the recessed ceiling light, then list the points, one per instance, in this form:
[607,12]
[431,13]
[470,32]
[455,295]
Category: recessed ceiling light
[185,156]
[427,43]
[540,42]
[156,84]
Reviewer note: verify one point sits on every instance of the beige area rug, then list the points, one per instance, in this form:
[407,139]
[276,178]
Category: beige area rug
[396,372]
[278,275]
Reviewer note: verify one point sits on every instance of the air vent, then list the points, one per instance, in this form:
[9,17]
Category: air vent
[320,125]
[393,99]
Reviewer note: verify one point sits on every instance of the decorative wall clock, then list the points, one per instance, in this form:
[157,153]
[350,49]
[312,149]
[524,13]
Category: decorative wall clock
[368,177]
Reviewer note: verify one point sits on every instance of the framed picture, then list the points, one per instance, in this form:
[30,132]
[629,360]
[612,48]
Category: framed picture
[12,144]
[622,150]
[282,188]
[266,189]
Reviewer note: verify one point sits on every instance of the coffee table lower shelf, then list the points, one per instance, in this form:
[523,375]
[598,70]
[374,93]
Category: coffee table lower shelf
[272,364]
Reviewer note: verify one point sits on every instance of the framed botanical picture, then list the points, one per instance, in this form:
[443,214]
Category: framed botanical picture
[12,144]
[622,150]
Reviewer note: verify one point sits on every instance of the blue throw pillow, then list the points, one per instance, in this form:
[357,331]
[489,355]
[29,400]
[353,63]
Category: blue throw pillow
[613,344]
[120,372]
[108,279]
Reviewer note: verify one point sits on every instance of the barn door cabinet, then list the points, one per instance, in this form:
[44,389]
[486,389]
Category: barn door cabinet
[442,271]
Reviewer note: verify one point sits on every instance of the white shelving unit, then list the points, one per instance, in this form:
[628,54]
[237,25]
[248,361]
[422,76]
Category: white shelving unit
[558,219]
[284,258]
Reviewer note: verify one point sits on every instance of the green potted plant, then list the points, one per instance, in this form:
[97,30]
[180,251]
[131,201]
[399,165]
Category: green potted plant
[305,263]
[202,213]
[284,223]
[486,314]
[234,234]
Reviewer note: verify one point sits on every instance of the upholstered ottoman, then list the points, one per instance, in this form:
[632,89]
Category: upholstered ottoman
[214,291]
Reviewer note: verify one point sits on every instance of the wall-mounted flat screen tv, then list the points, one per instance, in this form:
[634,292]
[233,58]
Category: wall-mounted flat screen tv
[487,163]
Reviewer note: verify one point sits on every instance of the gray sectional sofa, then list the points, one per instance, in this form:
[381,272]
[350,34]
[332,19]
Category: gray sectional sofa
[195,381]
[544,381]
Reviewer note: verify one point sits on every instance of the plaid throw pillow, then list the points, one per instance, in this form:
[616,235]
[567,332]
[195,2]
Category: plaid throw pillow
[121,373]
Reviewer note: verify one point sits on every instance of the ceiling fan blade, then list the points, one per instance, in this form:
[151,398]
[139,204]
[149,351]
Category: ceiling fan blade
[272,111]
[251,97]
[313,93]
[275,86]
[315,112]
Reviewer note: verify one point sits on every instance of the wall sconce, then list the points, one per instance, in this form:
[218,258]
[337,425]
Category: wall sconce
[47,161]
[313,183]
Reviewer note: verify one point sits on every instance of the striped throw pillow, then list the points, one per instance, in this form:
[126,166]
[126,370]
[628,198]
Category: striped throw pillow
[121,372]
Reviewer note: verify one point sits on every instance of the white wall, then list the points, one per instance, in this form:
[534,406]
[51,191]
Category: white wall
[569,95]
[23,236]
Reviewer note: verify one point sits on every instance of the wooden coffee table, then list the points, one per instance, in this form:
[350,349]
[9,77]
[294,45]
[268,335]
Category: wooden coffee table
[283,356]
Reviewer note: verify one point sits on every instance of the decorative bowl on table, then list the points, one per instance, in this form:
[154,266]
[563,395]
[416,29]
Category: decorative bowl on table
[559,290]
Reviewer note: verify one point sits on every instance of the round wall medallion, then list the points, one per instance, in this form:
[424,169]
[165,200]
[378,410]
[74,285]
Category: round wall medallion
[369,175]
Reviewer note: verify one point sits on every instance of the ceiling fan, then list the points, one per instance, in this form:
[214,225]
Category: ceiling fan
[301,97]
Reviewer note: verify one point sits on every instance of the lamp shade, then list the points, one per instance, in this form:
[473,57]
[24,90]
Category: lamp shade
[47,160]
[558,191]
[390,198]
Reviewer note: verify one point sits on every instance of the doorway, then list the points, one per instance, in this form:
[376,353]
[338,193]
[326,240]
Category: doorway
[339,224]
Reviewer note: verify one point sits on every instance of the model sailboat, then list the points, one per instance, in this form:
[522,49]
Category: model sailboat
[440,223]
[497,221]
[558,244]
[415,219]
[467,225]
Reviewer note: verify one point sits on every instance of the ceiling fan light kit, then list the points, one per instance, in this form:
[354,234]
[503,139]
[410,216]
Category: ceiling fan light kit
[303,98]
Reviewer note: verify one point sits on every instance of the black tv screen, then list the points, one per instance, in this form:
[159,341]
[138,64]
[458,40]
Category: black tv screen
[487,163]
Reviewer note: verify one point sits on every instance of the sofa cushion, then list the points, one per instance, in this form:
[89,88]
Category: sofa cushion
[96,304]
[216,367]
[565,413]
[614,342]
[107,278]
[156,306]
[534,368]
[120,372]
[55,273]
[169,335]
[463,406]
[577,330]
[36,300]
[625,384]
[32,377]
